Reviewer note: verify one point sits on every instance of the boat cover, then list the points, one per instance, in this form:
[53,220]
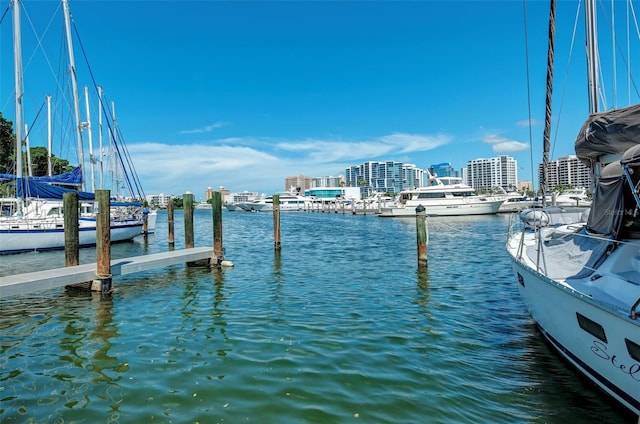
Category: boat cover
[28,188]
[73,177]
[575,255]
[607,209]
[611,132]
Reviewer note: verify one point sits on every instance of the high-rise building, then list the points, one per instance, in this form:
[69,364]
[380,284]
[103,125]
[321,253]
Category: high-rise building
[317,182]
[443,169]
[299,183]
[501,171]
[567,171]
[384,177]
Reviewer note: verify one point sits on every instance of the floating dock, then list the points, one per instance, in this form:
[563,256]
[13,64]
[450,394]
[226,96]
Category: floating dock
[12,285]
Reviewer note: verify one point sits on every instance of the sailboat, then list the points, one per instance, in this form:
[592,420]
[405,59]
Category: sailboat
[33,219]
[579,273]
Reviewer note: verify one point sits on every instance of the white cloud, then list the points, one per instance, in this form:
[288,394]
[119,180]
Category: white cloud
[260,164]
[501,144]
[528,122]
[205,129]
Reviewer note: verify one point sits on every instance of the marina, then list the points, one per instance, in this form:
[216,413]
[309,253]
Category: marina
[340,325]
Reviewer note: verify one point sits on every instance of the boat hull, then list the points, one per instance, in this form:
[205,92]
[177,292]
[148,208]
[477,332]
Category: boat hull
[595,338]
[444,209]
[25,237]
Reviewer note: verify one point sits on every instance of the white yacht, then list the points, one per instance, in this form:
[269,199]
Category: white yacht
[573,197]
[289,202]
[443,196]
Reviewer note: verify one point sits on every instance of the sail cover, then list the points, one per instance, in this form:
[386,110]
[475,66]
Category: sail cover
[35,189]
[611,132]
[73,177]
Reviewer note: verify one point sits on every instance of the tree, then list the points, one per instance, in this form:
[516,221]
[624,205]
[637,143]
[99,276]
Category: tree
[39,163]
[40,166]
[7,146]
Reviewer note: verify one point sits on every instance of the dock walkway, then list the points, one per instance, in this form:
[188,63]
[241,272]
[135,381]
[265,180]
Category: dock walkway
[12,285]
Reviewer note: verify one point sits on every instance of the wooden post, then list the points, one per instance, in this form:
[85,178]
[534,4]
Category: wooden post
[422,233]
[276,222]
[71,229]
[170,222]
[188,220]
[218,251]
[103,281]
[145,221]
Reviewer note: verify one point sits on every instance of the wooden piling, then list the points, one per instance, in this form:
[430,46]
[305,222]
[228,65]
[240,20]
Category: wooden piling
[187,202]
[276,222]
[170,222]
[103,281]
[218,252]
[71,229]
[422,234]
[145,221]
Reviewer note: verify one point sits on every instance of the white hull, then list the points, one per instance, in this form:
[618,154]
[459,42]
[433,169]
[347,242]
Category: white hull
[509,207]
[284,207]
[587,320]
[24,236]
[456,208]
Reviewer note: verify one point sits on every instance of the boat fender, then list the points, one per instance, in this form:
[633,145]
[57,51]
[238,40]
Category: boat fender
[534,218]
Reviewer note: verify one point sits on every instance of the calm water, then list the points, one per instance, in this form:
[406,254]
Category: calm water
[340,327]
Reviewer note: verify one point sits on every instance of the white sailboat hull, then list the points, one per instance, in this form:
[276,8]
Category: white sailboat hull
[587,320]
[23,236]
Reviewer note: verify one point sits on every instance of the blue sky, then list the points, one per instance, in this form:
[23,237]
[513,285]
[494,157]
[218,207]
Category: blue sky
[243,94]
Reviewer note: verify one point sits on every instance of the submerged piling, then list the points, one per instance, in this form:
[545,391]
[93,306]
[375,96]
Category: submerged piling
[422,235]
[71,229]
[276,222]
[188,220]
[103,281]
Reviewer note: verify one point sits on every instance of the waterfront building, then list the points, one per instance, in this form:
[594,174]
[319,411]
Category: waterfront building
[243,197]
[335,192]
[328,181]
[500,171]
[567,171]
[443,169]
[384,177]
[298,183]
[159,200]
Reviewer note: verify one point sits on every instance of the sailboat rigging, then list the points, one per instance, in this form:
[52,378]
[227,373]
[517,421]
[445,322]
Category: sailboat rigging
[35,221]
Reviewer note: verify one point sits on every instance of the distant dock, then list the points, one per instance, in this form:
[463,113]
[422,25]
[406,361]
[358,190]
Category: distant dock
[12,285]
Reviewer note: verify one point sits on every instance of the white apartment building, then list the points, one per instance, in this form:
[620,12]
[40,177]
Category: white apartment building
[159,200]
[567,171]
[501,171]
[384,177]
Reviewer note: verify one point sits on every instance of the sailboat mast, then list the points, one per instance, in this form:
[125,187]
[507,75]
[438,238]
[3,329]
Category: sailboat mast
[90,139]
[74,84]
[17,51]
[49,137]
[592,56]
[547,120]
